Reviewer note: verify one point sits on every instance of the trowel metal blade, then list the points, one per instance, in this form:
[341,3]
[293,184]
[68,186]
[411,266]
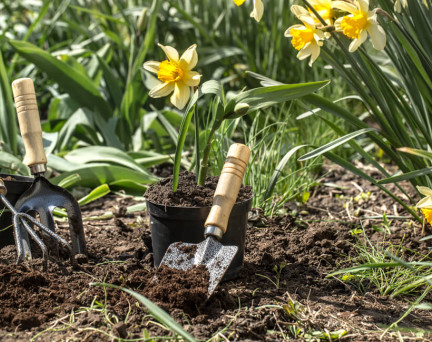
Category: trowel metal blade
[210,253]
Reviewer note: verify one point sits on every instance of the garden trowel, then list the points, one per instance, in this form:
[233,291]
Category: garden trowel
[211,253]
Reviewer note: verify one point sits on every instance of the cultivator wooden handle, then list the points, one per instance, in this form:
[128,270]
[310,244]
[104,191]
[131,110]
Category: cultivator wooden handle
[29,123]
[228,186]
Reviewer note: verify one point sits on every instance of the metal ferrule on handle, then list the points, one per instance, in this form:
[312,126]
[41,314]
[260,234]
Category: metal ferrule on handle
[227,190]
[29,123]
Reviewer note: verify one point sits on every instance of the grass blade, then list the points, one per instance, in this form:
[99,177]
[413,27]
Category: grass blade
[159,314]
[275,176]
[340,141]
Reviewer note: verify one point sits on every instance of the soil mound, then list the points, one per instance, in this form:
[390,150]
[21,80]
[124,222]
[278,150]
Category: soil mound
[188,193]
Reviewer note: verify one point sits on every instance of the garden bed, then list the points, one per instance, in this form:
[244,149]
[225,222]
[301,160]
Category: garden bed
[282,291]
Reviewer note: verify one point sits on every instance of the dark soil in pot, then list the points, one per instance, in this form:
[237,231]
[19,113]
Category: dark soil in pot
[188,193]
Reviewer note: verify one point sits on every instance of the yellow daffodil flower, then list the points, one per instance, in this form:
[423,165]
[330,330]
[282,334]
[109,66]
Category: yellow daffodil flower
[307,39]
[175,74]
[322,7]
[359,23]
[258,9]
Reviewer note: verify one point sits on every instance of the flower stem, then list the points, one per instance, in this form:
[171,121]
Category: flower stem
[204,164]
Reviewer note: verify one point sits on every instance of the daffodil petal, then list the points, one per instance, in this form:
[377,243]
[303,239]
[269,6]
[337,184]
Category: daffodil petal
[170,52]
[181,95]
[258,10]
[378,36]
[192,78]
[163,89]
[152,66]
[337,24]
[189,58]
[299,10]
[315,53]
[424,190]
[363,5]
[305,52]
[424,203]
[344,6]
[357,42]
[296,26]
[308,21]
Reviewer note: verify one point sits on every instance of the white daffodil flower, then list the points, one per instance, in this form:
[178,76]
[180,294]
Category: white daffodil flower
[175,74]
[257,11]
[359,23]
[307,39]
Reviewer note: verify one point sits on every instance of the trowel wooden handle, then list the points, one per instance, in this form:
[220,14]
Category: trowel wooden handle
[29,122]
[228,186]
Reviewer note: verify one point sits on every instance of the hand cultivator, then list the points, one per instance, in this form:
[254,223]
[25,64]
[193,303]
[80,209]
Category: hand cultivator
[20,218]
[42,197]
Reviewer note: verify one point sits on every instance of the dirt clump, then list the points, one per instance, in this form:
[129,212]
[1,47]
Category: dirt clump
[188,193]
[175,288]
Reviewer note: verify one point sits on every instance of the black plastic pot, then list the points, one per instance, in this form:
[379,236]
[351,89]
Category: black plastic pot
[186,224]
[15,188]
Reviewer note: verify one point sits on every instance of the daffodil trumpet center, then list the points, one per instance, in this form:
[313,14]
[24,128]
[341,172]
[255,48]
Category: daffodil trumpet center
[300,37]
[169,72]
[427,214]
[352,25]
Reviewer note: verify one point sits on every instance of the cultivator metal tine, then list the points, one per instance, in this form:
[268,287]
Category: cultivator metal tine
[43,197]
[21,224]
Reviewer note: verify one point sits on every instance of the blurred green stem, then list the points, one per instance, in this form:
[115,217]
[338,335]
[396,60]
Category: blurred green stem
[204,164]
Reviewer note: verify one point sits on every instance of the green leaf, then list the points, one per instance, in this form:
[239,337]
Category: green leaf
[130,187]
[407,175]
[69,181]
[340,141]
[9,161]
[77,85]
[416,152]
[266,96]
[159,314]
[93,175]
[96,193]
[95,154]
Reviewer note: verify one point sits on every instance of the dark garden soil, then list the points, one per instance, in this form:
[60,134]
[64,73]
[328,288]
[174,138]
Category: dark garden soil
[188,194]
[283,289]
